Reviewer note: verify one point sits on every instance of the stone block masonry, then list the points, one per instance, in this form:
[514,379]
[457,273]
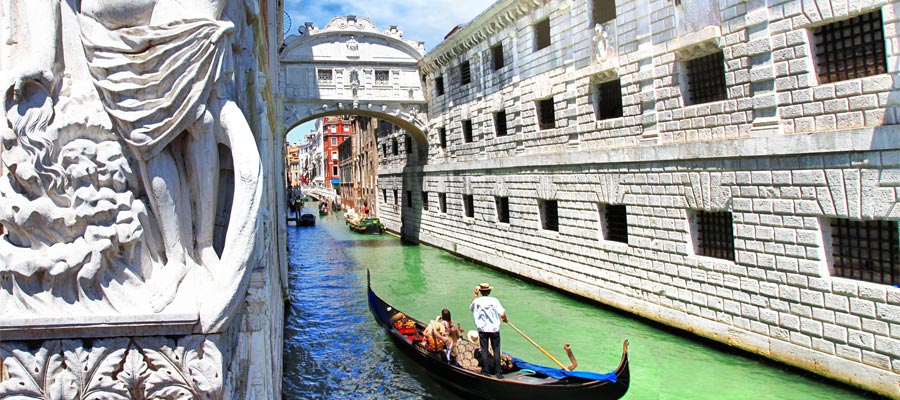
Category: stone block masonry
[763,149]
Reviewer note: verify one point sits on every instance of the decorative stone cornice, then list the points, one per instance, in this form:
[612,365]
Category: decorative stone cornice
[353,24]
[495,19]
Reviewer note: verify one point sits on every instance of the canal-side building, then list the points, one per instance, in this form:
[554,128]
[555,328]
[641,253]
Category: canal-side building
[359,165]
[335,130]
[728,168]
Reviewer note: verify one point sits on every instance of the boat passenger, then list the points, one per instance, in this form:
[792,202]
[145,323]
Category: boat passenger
[441,334]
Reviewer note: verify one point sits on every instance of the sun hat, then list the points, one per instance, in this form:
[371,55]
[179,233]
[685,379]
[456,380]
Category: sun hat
[485,286]
[472,335]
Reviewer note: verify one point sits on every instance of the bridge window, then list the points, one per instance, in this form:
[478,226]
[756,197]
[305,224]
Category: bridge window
[706,78]
[608,100]
[425,201]
[395,152]
[467,131]
[542,34]
[354,77]
[851,48]
[502,209]
[497,55]
[465,73]
[409,145]
[715,234]
[866,250]
[603,11]
[439,85]
[469,205]
[382,77]
[442,137]
[500,123]
[613,222]
[549,213]
[442,202]
[326,76]
[546,114]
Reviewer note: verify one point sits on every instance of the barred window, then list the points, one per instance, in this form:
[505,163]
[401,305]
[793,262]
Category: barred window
[425,201]
[394,142]
[442,202]
[614,219]
[866,250]
[603,11]
[497,56]
[325,76]
[408,199]
[715,234]
[852,48]
[467,131]
[409,145]
[439,85]
[549,214]
[442,136]
[500,123]
[542,34]
[706,78]
[502,209]
[546,114]
[465,73]
[609,100]
[396,197]
[469,205]
[382,77]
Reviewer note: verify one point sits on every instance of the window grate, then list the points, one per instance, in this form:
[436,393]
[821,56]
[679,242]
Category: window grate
[425,201]
[465,73]
[603,11]
[325,76]
[382,78]
[497,56]
[609,100]
[384,195]
[617,223]
[542,34]
[442,202]
[408,199]
[851,48]
[439,85]
[706,78]
[546,114]
[469,205]
[394,151]
[502,209]
[715,236]
[500,123]
[866,250]
[467,130]
[549,215]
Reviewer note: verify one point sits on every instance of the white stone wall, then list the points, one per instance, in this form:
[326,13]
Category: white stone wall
[782,153]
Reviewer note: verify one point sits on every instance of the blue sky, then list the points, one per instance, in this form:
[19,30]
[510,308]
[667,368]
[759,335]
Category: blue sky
[420,20]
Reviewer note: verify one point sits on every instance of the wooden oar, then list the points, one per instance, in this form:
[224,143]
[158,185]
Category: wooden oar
[536,345]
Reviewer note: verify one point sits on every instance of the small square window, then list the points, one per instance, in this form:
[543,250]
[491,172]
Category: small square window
[706,78]
[852,48]
[609,100]
[334,141]
[603,11]
[442,202]
[382,77]
[325,76]
[497,56]
[467,131]
[500,123]
[442,137]
[425,201]
[715,234]
[439,85]
[502,209]
[542,34]
[408,199]
[396,197]
[546,114]
[866,250]
[614,223]
[549,214]
[465,73]
[469,205]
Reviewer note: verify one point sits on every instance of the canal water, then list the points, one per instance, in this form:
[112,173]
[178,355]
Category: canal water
[334,350]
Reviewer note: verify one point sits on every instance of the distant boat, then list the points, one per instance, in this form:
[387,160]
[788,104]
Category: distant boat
[524,381]
[307,220]
[366,225]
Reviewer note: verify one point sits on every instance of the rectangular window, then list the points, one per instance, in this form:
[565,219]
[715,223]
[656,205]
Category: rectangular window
[502,209]
[715,234]
[469,205]
[346,128]
[382,77]
[442,202]
[408,199]
[334,170]
[396,198]
[849,49]
[549,214]
[615,223]
[425,201]
[542,34]
[325,76]
[500,123]
[546,114]
[334,155]
[442,137]
[467,131]
[408,145]
[706,78]
[609,100]
[395,151]
[603,11]
[439,85]
[465,73]
[384,195]
[384,149]
[497,56]
[334,141]
[866,250]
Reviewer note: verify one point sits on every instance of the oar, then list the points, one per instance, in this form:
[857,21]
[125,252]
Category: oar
[536,345]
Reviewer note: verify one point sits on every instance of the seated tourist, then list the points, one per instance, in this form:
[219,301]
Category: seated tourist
[441,334]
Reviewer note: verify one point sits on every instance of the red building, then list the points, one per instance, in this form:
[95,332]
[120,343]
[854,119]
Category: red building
[335,130]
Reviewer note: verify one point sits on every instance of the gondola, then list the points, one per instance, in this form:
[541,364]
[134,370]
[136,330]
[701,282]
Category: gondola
[524,381]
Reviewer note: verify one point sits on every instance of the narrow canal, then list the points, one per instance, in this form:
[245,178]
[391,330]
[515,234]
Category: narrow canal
[335,350]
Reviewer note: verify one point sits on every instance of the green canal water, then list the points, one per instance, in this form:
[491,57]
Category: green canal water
[335,350]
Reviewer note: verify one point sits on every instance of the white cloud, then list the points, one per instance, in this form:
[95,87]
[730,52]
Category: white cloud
[420,20]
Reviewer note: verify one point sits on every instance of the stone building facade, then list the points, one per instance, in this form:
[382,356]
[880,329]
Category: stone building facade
[728,168]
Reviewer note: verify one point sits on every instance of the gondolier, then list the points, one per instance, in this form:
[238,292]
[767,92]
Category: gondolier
[488,313]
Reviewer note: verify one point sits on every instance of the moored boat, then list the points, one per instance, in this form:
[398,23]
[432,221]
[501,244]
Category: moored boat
[522,381]
[366,225]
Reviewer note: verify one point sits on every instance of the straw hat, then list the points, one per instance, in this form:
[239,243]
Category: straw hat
[472,335]
[485,286]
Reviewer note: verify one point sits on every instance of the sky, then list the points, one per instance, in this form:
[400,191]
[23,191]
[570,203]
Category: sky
[420,20]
